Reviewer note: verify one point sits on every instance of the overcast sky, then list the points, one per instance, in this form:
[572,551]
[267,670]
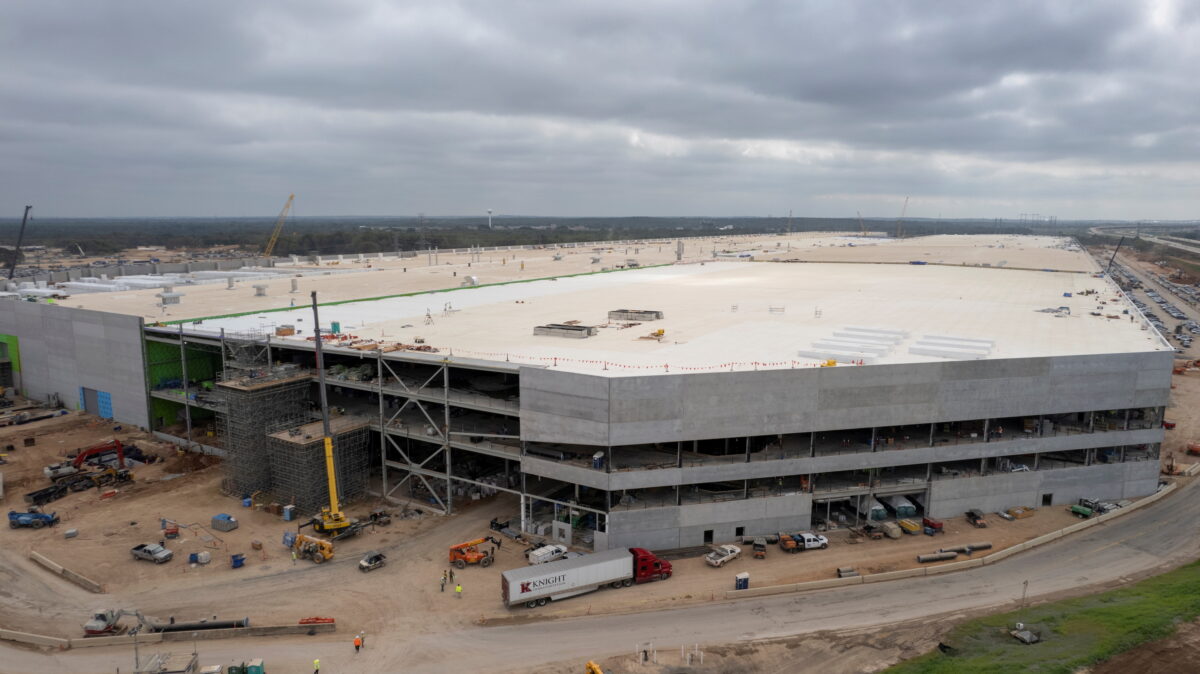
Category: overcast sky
[366,107]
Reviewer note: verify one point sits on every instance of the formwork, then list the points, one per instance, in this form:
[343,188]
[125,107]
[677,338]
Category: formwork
[298,462]
[253,408]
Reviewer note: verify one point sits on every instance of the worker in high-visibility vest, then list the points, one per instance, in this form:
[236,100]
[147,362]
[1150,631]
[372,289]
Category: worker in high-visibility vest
[458,590]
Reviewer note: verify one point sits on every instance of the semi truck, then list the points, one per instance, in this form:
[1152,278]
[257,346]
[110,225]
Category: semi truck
[541,584]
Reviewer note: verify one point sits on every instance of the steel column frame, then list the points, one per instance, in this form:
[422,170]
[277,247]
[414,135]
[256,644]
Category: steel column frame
[446,432]
[187,408]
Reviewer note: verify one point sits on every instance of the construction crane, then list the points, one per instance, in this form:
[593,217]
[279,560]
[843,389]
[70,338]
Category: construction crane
[332,521]
[278,226]
[1114,255]
[900,222]
[12,265]
[861,225]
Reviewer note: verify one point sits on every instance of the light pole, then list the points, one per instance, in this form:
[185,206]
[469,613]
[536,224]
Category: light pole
[1024,590]
[489,218]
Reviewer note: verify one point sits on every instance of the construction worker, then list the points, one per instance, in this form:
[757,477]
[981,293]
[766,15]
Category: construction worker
[316,667]
[443,581]
[451,575]
[458,590]
[357,643]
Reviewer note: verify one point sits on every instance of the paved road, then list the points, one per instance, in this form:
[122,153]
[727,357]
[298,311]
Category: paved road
[1166,534]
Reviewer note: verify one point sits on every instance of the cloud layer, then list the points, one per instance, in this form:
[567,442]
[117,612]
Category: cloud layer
[1080,109]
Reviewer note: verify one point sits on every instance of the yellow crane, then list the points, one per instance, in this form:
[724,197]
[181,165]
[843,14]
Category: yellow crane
[332,521]
[278,226]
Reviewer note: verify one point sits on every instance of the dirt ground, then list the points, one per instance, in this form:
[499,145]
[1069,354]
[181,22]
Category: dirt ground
[186,491]
[847,652]
[1178,653]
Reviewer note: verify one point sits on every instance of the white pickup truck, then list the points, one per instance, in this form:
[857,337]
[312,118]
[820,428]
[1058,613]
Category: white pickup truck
[722,554]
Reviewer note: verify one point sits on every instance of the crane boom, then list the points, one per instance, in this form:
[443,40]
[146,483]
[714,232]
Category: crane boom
[900,222]
[12,267]
[278,226]
[332,519]
[861,226]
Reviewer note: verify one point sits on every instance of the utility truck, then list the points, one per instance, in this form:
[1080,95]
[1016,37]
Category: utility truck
[543,583]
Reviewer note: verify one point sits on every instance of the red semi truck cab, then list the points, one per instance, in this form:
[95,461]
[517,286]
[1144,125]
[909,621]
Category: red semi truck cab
[647,567]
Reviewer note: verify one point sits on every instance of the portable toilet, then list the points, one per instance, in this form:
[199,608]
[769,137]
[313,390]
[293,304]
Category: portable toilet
[741,581]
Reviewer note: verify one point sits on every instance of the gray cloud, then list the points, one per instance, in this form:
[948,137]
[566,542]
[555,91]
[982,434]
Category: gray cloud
[600,108]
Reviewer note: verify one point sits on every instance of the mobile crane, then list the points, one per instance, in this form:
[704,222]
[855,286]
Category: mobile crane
[278,226]
[332,522]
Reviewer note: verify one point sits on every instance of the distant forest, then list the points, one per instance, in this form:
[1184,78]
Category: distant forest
[331,235]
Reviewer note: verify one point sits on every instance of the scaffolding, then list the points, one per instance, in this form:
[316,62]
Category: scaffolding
[298,462]
[254,407]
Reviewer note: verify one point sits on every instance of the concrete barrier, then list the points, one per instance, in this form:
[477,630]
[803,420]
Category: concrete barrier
[46,562]
[35,639]
[83,581]
[58,569]
[1006,552]
[828,582]
[953,566]
[893,575]
[143,638]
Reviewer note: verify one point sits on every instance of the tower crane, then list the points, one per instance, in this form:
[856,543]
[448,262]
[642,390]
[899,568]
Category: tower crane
[900,222]
[278,226]
[861,225]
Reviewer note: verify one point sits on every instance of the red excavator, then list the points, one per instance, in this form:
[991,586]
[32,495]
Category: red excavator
[58,471]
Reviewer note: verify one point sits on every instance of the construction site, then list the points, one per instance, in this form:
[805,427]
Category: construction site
[893,397]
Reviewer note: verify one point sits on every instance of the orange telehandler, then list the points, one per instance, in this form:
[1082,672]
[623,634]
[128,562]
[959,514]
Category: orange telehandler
[469,553]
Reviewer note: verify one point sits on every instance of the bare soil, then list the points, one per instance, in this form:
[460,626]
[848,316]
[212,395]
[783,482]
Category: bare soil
[1178,653]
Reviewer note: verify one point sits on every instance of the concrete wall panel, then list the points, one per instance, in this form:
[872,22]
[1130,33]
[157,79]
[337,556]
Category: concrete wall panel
[63,349]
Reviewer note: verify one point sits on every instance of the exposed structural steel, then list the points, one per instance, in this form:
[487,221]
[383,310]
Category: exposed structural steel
[278,226]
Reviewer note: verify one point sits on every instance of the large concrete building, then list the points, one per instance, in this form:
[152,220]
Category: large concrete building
[660,406]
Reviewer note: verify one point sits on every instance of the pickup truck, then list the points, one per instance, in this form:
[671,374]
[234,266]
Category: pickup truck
[152,552]
[546,553]
[806,541]
[722,554]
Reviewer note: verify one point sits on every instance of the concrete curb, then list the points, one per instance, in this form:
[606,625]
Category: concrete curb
[35,639]
[155,638]
[60,570]
[949,567]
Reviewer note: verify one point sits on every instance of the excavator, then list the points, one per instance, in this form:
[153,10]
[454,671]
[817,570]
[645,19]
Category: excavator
[66,469]
[106,622]
[332,522]
[469,553]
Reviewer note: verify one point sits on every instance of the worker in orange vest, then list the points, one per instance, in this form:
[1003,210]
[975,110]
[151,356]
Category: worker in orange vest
[357,644]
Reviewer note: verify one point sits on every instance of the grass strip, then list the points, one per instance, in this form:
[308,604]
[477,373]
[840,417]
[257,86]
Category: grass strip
[1075,633]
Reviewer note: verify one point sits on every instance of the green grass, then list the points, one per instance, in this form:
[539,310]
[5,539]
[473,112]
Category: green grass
[1076,632]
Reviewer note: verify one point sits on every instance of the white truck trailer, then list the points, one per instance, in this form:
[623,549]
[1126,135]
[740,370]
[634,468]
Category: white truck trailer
[543,583]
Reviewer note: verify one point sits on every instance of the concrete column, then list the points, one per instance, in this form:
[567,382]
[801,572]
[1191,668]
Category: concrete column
[383,441]
[679,454]
[745,489]
[928,472]
[987,436]
[747,449]
[678,494]
[1122,453]
[1126,426]
[983,466]
[812,444]
[1091,422]
[1040,425]
[931,427]
[524,525]
[608,459]
[873,446]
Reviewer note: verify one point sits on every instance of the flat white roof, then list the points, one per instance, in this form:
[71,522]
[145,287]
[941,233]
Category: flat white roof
[737,315]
